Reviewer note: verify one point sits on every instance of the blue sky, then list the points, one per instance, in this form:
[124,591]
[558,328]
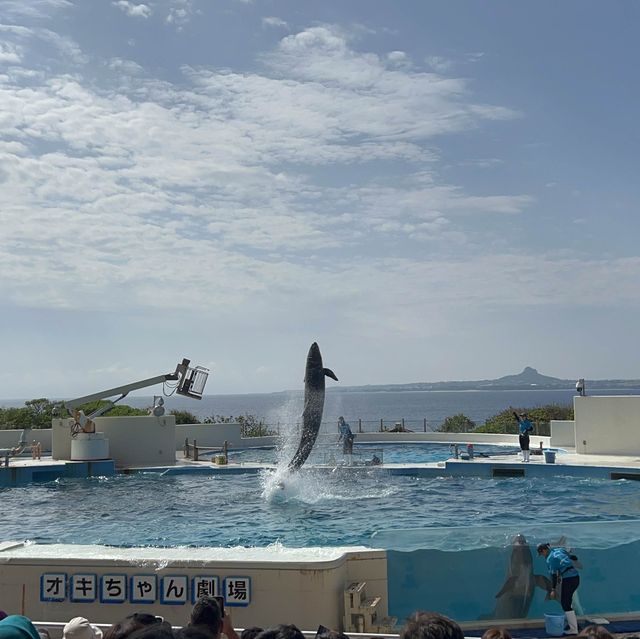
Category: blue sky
[430,190]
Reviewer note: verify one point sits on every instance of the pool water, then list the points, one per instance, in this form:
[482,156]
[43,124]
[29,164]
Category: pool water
[322,507]
[326,451]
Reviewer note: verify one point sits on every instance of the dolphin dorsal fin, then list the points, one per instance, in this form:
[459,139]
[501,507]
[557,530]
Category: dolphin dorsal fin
[329,373]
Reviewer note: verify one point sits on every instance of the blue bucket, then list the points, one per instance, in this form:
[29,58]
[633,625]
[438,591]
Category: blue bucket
[554,624]
[550,456]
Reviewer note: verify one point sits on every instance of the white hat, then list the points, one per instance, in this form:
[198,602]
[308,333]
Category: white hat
[80,628]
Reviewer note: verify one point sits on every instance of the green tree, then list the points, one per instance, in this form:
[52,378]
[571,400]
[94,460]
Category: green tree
[118,410]
[540,416]
[185,417]
[250,425]
[459,423]
[36,413]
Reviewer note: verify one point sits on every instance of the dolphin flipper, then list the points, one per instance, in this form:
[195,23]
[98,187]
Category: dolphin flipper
[329,373]
[508,584]
[543,582]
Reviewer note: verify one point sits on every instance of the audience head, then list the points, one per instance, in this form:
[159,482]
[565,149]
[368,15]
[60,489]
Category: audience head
[251,633]
[162,630]
[17,627]
[80,628]
[193,632]
[282,631]
[207,614]
[430,625]
[595,632]
[3,615]
[496,633]
[136,621]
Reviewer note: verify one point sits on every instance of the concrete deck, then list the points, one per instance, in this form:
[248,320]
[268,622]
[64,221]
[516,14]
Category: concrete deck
[568,463]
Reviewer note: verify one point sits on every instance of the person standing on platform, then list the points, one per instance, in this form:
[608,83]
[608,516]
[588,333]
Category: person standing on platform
[525,427]
[346,436]
[564,576]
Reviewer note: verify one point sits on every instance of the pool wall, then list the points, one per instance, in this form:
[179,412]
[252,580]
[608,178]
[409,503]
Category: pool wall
[261,586]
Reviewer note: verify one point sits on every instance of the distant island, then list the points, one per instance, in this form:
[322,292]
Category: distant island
[528,379]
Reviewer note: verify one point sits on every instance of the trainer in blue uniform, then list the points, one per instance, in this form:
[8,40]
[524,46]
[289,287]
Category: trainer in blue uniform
[525,427]
[346,436]
[562,570]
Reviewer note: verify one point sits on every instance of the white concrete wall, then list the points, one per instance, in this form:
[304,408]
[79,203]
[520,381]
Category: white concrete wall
[448,438]
[607,425]
[133,441]
[209,434]
[60,438]
[300,586]
[9,438]
[563,433]
[140,441]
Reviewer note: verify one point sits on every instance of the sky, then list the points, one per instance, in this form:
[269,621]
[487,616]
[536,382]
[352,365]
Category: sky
[430,190]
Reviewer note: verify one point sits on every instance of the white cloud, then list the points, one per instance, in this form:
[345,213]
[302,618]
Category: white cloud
[180,13]
[399,58]
[10,53]
[132,9]
[33,9]
[272,21]
[207,191]
[439,64]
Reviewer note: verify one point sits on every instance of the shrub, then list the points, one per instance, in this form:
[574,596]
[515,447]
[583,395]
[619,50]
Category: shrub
[459,423]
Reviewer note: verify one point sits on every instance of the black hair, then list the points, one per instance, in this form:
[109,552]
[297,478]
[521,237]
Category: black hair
[194,632]
[281,631]
[162,630]
[595,632]
[430,625]
[496,633]
[251,633]
[122,629]
[206,612]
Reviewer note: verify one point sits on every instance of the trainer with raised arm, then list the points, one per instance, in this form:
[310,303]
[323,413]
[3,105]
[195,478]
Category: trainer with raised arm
[525,427]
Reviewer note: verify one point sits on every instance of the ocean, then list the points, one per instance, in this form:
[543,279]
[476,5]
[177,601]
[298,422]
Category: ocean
[370,407]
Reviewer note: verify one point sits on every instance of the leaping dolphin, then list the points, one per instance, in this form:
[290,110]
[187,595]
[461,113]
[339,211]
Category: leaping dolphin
[514,598]
[313,405]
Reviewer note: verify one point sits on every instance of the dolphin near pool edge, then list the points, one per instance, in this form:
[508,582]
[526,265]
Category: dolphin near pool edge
[314,375]
[514,599]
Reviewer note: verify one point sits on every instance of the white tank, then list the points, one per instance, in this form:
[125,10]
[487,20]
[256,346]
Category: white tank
[89,447]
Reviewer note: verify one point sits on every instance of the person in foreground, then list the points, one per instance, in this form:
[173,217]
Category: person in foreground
[209,618]
[496,633]
[17,627]
[596,632]
[430,625]
[563,572]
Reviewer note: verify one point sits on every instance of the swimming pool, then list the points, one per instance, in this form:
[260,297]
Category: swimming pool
[344,507]
[447,539]
[326,452]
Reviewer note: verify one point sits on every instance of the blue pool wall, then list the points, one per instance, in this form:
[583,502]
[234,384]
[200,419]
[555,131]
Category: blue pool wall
[42,472]
[464,584]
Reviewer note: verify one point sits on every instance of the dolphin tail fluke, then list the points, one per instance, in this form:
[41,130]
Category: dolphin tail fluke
[508,584]
[329,373]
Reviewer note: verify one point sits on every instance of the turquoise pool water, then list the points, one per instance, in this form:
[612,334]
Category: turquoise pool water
[323,508]
[327,451]
[449,539]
